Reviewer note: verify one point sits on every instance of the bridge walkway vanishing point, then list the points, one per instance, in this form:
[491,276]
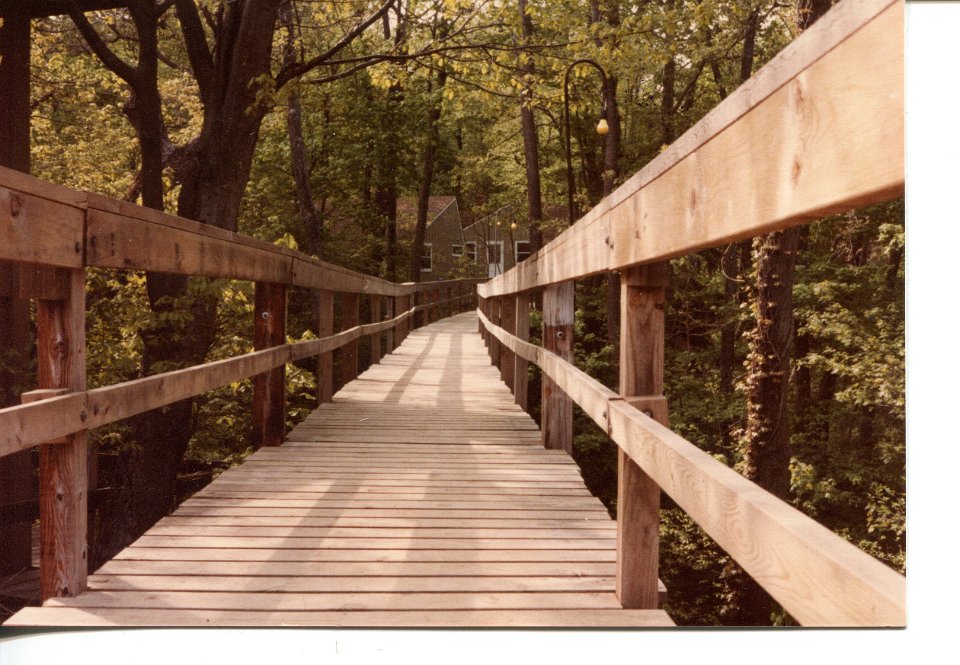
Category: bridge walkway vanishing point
[421,496]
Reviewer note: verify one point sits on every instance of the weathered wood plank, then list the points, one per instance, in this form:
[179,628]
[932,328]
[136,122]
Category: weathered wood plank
[420,618]
[521,364]
[32,213]
[269,388]
[177,561]
[642,329]
[557,408]
[367,601]
[325,360]
[61,364]
[378,583]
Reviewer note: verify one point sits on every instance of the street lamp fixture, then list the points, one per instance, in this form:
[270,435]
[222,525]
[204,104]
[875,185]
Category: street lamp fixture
[602,126]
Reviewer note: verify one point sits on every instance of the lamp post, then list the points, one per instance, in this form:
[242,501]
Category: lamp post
[602,127]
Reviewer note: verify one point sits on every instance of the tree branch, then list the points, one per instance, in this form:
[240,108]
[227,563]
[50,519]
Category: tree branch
[298,69]
[197,49]
[109,59]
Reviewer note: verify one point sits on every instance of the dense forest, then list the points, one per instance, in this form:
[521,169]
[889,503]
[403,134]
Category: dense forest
[304,123]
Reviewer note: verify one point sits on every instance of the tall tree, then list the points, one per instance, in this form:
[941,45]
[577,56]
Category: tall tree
[767,437]
[528,129]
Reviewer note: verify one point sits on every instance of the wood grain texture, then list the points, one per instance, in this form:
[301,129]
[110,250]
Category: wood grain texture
[61,364]
[467,618]
[389,336]
[817,131]
[325,359]
[521,364]
[373,514]
[32,212]
[557,407]
[508,321]
[642,330]
[376,316]
[269,388]
[349,318]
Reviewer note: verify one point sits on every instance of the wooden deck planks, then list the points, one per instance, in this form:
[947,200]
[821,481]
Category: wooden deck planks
[420,496]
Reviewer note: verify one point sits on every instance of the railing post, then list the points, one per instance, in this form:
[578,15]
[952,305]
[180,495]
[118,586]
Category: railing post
[508,321]
[375,317]
[482,306]
[390,306]
[522,325]
[495,320]
[269,388]
[325,361]
[642,297]
[349,317]
[557,411]
[61,364]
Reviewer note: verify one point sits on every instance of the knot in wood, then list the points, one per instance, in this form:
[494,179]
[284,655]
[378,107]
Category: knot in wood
[16,205]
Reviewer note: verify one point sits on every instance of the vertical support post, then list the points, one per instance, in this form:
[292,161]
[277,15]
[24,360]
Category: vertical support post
[61,363]
[375,317]
[522,326]
[269,388]
[350,317]
[642,297]
[404,306]
[557,408]
[482,306]
[325,361]
[508,321]
[495,320]
[391,332]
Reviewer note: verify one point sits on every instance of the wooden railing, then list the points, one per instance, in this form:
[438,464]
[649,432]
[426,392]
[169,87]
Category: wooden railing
[819,130]
[54,233]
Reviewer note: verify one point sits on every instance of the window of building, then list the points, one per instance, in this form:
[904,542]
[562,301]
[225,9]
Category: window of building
[471,250]
[426,259]
[457,251]
[522,250]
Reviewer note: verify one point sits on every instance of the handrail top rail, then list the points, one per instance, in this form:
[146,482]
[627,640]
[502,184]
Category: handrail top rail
[45,223]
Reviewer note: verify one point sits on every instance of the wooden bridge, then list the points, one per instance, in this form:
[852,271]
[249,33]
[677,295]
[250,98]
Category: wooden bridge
[422,493]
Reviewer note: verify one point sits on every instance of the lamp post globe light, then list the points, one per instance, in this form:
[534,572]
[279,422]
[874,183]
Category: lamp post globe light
[602,127]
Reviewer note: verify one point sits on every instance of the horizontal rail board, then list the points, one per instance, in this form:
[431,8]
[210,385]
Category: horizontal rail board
[818,131]
[27,425]
[554,618]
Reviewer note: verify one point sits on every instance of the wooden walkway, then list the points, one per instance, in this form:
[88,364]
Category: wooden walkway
[420,496]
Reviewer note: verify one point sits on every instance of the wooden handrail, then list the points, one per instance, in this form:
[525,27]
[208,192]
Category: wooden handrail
[96,231]
[820,578]
[818,130]
[27,425]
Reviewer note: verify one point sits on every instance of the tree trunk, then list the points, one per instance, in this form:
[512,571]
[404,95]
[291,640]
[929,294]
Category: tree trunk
[732,276]
[423,201]
[667,119]
[767,453]
[299,163]
[531,147]
[385,196]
